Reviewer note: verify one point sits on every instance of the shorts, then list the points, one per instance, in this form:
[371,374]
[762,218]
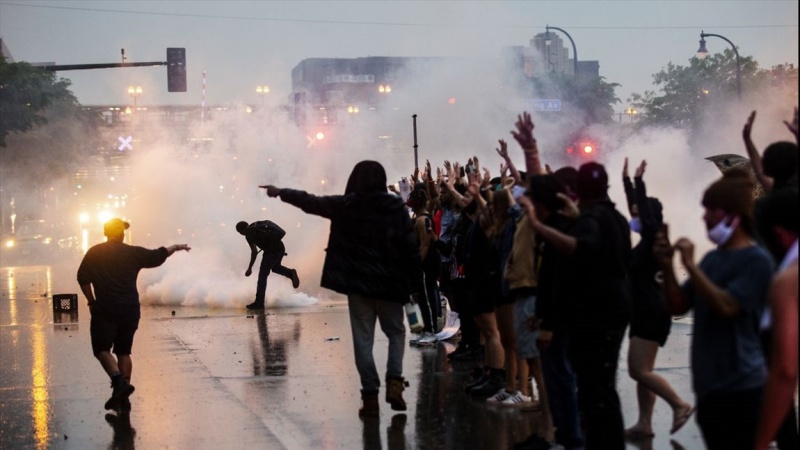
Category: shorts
[650,322]
[111,332]
[524,309]
[481,295]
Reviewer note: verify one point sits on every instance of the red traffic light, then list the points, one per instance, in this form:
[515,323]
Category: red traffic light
[588,148]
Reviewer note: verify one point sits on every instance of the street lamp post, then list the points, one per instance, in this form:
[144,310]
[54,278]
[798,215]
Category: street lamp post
[702,53]
[262,91]
[574,49]
[135,92]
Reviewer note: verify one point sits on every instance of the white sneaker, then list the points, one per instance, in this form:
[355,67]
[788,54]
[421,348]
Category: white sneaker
[501,396]
[516,399]
[427,339]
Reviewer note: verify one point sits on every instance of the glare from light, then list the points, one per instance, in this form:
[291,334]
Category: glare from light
[83,217]
[587,149]
[10,243]
[320,135]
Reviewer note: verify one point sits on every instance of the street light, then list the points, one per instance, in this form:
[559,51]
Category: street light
[262,91]
[702,53]
[631,112]
[547,42]
[135,92]
[384,89]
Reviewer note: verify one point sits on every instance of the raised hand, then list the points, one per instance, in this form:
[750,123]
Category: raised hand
[487,177]
[625,169]
[524,131]
[748,129]
[503,150]
[640,169]
[686,248]
[793,126]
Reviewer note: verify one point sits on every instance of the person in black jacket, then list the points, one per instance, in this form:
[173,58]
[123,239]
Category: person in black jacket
[373,258]
[650,321]
[265,236]
[599,245]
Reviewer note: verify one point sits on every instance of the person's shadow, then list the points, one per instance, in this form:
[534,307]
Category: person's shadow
[124,434]
[395,433]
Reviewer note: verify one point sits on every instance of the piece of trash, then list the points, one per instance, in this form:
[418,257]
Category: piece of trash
[250,317]
[332,338]
[173,312]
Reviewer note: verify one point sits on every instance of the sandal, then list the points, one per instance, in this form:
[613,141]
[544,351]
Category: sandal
[681,420]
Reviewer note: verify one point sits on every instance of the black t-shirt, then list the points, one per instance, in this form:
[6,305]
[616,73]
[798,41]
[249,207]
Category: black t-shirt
[556,271]
[112,268]
[600,295]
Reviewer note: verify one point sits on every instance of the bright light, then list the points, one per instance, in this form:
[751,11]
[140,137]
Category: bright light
[105,216]
[569,150]
[588,149]
[320,135]
[9,243]
[83,217]
[452,100]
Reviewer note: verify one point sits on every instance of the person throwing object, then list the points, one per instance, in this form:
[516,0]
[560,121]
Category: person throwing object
[265,236]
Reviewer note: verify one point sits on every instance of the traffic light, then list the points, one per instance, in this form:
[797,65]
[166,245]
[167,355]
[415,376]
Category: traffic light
[176,69]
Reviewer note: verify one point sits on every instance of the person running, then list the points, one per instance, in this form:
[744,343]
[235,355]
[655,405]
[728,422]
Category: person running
[107,277]
[265,236]
[727,291]
[650,321]
[373,258]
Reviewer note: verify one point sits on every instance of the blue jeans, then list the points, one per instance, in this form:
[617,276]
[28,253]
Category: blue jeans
[363,312]
[559,381]
[270,262]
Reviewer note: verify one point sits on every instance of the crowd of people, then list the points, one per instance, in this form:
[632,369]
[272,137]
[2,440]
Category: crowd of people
[540,267]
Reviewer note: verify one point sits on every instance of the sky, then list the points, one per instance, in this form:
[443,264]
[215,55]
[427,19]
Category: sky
[244,44]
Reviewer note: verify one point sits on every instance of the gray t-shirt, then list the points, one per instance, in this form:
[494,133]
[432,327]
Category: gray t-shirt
[726,352]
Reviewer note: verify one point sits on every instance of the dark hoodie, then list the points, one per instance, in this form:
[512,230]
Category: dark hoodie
[372,249]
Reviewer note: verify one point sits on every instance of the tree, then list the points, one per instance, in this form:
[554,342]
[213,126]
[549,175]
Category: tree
[591,99]
[685,92]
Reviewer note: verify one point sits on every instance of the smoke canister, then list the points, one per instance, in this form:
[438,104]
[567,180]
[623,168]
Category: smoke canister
[414,317]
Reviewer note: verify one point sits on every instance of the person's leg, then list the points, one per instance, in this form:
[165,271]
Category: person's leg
[390,316]
[425,306]
[362,324]
[546,428]
[505,326]
[261,283]
[487,325]
[641,361]
[594,355]
[729,420]
[560,385]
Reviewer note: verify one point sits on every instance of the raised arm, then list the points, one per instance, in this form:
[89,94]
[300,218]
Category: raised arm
[752,153]
[524,136]
[503,152]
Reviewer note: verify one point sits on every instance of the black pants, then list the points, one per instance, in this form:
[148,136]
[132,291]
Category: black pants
[728,420]
[470,335]
[594,355]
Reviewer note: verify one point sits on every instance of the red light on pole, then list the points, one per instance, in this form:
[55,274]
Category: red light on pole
[569,150]
[452,100]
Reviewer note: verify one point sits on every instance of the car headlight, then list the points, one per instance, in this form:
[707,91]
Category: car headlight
[10,243]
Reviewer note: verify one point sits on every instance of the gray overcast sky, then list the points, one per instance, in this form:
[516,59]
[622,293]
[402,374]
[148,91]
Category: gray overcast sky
[241,44]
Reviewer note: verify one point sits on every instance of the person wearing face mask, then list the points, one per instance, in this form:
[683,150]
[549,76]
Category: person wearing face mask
[650,321]
[727,291]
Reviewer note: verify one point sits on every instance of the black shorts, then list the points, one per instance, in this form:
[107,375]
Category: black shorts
[482,294]
[109,331]
[650,321]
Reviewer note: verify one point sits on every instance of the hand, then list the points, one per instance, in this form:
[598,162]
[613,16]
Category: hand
[272,191]
[524,132]
[474,189]
[428,170]
[248,273]
[748,129]
[503,150]
[548,169]
[662,249]
[184,247]
[447,166]
[686,249]
[544,339]
[570,208]
[487,177]
[393,189]
[476,164]
[528,209]
[793,126]
[625,169]
[640,169]
[415,175]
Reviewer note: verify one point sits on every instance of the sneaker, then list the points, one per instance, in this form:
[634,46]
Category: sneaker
[516,399]
[500,397]
[429,339]
[495,382]
[295,279]
[255,305]
[120,392]
[459,350]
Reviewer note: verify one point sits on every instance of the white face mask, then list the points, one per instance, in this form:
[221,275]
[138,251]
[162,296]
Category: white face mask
[722,232]
[636,225]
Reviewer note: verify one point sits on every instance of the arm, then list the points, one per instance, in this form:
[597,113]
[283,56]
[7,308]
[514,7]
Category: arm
[253,254]
[793,126]
[503,152]
[782,378]
[324,206]
[719,300]
[421,229]
[650,225]
[630,194]
[561,242]
[674,297]
[87,291]
[177,247]
[524,136]
[752,153]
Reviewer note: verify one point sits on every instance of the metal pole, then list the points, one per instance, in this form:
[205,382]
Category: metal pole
[574,49]
[738,64]
[57,68]
[416,161]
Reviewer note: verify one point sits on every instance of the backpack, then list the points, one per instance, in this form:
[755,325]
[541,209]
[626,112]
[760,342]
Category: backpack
[266,233]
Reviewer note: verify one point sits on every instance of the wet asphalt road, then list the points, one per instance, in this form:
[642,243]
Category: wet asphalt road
[218,379]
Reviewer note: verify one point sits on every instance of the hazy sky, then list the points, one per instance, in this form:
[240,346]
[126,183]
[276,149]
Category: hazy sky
[242,44]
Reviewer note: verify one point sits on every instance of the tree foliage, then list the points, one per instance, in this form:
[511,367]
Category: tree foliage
[684,93]
[591,99]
